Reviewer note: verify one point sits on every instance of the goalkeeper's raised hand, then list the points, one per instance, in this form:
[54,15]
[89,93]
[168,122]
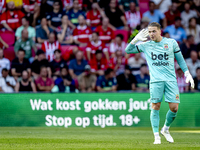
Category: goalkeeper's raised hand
[141,36]
[189,78]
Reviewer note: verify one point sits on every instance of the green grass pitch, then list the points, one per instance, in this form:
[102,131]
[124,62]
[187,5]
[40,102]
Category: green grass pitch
[122,138]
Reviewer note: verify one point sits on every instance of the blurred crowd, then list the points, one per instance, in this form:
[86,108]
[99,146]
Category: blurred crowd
[79,45]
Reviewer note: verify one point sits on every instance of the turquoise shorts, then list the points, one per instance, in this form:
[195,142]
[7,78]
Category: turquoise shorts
[169,89]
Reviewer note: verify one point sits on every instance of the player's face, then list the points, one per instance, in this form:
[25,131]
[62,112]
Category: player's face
[154,33]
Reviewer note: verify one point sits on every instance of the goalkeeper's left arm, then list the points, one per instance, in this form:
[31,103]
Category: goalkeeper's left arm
[182,64]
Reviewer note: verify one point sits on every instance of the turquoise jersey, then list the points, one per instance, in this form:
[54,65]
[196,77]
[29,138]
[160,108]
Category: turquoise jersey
[160,58]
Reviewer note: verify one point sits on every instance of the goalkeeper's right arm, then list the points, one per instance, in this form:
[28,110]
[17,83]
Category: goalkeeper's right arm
[141,36]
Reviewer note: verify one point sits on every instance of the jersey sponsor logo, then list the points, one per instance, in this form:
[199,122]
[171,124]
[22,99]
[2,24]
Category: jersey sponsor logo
[160,57]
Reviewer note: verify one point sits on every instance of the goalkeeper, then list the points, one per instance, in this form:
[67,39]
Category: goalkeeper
[160,53]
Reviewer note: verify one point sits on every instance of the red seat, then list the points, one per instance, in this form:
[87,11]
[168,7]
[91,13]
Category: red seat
[144,6]
[124,33]
[8,37]
[9,53]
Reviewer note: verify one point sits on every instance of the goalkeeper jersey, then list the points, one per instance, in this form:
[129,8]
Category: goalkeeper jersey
[160,58]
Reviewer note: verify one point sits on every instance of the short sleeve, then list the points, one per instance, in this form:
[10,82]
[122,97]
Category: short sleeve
[175,46]
[18,33]
[3,18]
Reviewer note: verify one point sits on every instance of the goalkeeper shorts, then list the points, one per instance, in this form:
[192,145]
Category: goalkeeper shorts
[169,89]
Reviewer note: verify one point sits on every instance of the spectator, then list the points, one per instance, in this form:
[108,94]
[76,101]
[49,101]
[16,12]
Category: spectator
[155,15]
[32,10]
[188,46]
[162,5]
[144,23]
[4,62]
[132,16]
[118,44]
[87,80]
[25,25]
[193,63]
[38,63]
[3,6]
[95,45]
[143,79]
[116,16]
[65,83]
[54,17]
[7,83]
[194,29]
[44,83]
[43,31]
[25,84]
[57,63]
[18,3]
[124,5]
[3,44]
[126,81]
[19,64]
[106,34]
[135,63]
[176,31]
[187,14]
[26,44]
[182,85]
[64,32]
[11,19]
[50,46]
[77,65]
[172,13]
[197,80]
[75,12]
[118,62]
[94,16]
[99,63]
[166,34]
[82,33]
[107,82]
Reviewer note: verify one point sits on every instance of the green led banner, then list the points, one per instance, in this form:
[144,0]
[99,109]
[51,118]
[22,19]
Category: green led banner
[91,110]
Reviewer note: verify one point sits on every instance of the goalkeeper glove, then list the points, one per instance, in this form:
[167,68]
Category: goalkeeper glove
[141,36]
[189,78]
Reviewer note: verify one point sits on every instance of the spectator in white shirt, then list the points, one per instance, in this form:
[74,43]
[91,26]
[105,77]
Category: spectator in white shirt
[118,44]
[193,62]
[7,83]
[4,62]
[187,14]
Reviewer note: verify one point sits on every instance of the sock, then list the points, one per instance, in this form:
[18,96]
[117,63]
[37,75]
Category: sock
[170,118]
[156,134]
[154,117]
[165,128]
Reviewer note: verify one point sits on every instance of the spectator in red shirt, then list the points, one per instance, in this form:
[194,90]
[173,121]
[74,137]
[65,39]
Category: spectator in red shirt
[94,16]
[172,13]
[50,46]
[82,33]
[95,45]
[44,83]
[11,19]
[99,64]
[118,62]
[106,34]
